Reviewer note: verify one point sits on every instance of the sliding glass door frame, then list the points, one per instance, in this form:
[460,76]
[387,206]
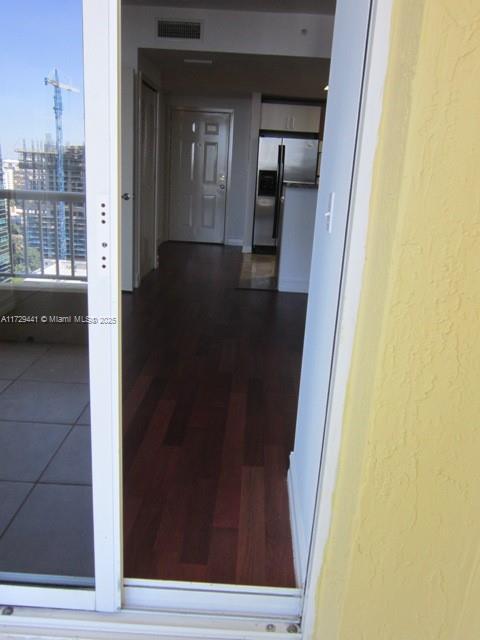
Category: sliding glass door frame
[165,600]
[101,45]
[102,137]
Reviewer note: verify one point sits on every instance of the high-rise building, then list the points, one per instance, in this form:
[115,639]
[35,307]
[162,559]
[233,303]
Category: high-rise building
[12,178]
[37,221]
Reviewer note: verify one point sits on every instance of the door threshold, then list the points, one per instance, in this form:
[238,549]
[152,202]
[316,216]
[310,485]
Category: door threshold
[48,623]
[214,599]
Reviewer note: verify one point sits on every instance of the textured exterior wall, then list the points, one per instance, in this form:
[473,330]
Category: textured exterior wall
[403,558]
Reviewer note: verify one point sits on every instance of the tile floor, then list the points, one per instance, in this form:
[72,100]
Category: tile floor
[46,530]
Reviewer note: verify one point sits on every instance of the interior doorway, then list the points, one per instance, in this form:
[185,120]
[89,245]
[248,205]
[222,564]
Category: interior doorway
[212,352]
[212,371]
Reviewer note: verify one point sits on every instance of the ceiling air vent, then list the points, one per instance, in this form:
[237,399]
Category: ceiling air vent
[183,30]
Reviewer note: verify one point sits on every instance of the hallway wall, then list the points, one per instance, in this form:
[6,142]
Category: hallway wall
[403,554]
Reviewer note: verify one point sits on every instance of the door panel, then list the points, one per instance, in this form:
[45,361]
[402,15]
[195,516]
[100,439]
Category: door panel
[147,180]
[210,163]
[199,175]
[208,212]
[63,533]
[346,78]
[46,506]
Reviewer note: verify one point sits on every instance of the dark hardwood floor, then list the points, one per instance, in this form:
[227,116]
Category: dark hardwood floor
[211,378]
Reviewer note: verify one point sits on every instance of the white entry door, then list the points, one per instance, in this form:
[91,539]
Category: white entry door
[147,180]
[198,171]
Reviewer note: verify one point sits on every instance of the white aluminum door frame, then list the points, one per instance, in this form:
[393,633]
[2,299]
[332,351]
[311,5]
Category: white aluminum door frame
[101,46]
[300,603]
[102,134]
[379,39]
[142,79]
[102,36]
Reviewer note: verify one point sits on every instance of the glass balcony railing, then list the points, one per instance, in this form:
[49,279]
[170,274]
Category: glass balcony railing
[42,236]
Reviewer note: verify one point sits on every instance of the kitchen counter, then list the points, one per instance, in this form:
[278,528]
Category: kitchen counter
[296,236]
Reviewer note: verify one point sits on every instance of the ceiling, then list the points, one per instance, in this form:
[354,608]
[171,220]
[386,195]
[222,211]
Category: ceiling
[240,74]
[276,6]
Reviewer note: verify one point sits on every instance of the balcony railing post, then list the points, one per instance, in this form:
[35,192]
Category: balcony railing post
[40,236]
[25,241]
[72,252]
[57,247]
[10,237]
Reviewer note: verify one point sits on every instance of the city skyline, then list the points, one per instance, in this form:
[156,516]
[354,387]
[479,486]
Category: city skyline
[50,34]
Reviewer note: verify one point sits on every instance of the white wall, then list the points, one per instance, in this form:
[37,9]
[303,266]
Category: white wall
[238,185]
[231,31]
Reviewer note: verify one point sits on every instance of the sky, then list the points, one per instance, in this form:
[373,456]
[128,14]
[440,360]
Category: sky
[37,36]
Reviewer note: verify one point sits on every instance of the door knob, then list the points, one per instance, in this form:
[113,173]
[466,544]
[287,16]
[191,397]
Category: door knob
[222,186]
[125,196]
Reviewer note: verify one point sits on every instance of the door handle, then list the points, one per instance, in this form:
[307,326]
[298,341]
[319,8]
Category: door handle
[221,186]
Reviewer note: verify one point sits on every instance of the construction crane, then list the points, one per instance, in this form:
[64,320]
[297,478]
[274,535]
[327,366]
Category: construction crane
[58,87]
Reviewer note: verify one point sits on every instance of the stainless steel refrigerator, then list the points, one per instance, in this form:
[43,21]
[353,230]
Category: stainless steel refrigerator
[280,160]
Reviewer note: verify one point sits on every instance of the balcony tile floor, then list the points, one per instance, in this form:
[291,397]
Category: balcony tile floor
[52,533]
[46,521]
[12,495]
[85,417]
[4,384]
[36,401]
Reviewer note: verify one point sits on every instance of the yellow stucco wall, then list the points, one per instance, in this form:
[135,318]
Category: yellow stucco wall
[403,558]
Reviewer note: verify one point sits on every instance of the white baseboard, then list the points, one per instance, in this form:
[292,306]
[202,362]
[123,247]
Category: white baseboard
[292,285]
[234,242]
[247,248]
[299,540]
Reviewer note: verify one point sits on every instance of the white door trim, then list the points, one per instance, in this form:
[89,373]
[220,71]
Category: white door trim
[171,110]
[367,139]
[137,202]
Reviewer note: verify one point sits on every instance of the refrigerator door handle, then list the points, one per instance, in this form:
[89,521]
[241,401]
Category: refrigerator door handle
[278,195]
